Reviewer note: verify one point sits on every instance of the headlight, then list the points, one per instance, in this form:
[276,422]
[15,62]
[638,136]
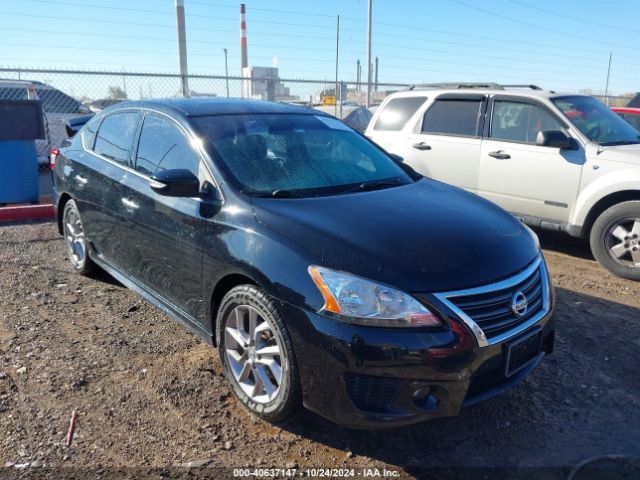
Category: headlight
[368,303]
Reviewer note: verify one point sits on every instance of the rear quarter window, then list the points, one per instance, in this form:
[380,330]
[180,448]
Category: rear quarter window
[397,112]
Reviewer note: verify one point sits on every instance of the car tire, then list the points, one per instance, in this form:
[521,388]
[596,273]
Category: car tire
[257,354]
[75,239]
[615,240]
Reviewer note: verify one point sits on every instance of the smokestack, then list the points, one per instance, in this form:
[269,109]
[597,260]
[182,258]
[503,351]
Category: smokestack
[243,38]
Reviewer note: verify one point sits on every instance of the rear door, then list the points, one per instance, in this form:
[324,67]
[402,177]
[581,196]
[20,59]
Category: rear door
[446,143]
[520,176]
[98,177]
[165,251]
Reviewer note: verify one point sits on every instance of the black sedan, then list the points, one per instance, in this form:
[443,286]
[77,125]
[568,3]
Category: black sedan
[326,272]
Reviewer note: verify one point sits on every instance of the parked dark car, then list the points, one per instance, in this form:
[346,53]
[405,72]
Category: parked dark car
[326,272]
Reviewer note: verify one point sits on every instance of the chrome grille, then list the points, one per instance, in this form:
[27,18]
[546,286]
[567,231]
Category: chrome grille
[488,309]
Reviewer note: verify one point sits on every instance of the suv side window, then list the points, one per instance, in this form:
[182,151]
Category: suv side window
[453,117]
[163,146]
[115,136]
[397,112]
[634,120]
[520,121]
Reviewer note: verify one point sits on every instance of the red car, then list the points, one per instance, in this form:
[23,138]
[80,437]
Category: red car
[630,114]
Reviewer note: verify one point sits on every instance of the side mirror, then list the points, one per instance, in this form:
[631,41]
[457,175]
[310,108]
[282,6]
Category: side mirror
[556,139]
[397,158]
[178,182]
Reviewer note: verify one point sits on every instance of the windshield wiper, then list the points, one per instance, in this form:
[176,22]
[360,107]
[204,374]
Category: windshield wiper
[374,184]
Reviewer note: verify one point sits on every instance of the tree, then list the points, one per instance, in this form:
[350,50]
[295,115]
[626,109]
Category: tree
[117,93]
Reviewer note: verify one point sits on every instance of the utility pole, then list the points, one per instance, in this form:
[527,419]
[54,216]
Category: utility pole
[376,78]
[606,88]
[226,70]
[337,57]
[358,75]
[369,54]
[182,47]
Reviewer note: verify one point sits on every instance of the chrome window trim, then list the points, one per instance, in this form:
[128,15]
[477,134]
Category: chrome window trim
[128,169]
[503,284]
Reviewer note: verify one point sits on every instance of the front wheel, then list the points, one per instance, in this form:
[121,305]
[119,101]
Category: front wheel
[257,354]
[615,239]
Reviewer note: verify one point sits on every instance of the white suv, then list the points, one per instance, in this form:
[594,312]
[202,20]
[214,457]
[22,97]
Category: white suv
[562,162]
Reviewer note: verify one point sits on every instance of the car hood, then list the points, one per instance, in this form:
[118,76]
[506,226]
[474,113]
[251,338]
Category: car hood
[620,153]
[422,237]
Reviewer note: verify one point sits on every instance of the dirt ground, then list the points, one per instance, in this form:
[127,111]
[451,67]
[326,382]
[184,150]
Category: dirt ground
[150,397]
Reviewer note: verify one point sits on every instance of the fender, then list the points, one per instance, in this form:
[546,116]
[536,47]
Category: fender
[613,181]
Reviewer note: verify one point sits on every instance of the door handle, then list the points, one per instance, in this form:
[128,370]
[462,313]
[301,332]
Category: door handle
[129,204]
[500,155]
[422,146]
[81,180]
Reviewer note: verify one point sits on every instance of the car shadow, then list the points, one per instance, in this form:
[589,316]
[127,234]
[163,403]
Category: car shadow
[564,243]
[556,417]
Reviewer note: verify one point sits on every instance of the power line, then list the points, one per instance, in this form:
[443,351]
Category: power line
[541,27]
[576,19]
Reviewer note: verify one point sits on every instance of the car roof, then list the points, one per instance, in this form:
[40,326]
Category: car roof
[202,106]
[434,92]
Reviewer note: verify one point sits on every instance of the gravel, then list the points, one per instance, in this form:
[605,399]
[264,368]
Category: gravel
[149,395]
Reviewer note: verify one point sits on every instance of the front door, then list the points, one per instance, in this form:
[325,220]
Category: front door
[520,176]
[165,232]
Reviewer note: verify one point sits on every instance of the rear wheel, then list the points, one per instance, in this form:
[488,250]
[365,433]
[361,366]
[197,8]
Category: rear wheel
[257,353]
[75,240]
[615,239]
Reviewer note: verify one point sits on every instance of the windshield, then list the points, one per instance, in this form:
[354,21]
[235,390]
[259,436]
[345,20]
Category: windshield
[596,121]
[298,155]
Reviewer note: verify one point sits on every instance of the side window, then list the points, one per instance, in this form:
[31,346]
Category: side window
[115,136]
[452,117]
[163,146]
[520,122]
[397,112]
[89,133]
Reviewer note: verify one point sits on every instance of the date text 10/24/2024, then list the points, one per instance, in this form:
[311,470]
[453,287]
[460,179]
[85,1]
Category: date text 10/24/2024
[315,473]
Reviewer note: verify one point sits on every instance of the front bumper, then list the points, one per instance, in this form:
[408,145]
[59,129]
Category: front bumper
[368,377]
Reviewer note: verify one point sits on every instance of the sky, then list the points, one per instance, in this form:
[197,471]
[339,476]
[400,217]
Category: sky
[558,45]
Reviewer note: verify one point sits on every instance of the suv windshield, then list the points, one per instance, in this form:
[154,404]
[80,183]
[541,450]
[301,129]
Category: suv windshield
[596,121]
[284,155]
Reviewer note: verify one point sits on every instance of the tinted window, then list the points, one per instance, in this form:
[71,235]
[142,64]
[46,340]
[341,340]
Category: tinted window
[54,101]
[520,122]
[397,112]
[163,146]
[452,117]
[89,133]
[297,154]
[115,136]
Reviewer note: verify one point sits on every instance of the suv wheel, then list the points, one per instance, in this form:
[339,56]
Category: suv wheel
[615,239]
[257,354]
[75,240]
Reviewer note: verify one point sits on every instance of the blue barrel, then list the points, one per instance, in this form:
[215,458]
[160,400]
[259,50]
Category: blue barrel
[19,171]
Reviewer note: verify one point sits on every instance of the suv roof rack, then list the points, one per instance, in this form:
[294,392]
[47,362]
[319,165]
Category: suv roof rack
[471,85]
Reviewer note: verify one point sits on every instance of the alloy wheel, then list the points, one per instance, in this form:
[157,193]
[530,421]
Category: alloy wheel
[622,242]
[74,237]
[254,353]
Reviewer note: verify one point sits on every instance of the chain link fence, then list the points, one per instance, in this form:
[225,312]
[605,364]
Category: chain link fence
[68,93]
